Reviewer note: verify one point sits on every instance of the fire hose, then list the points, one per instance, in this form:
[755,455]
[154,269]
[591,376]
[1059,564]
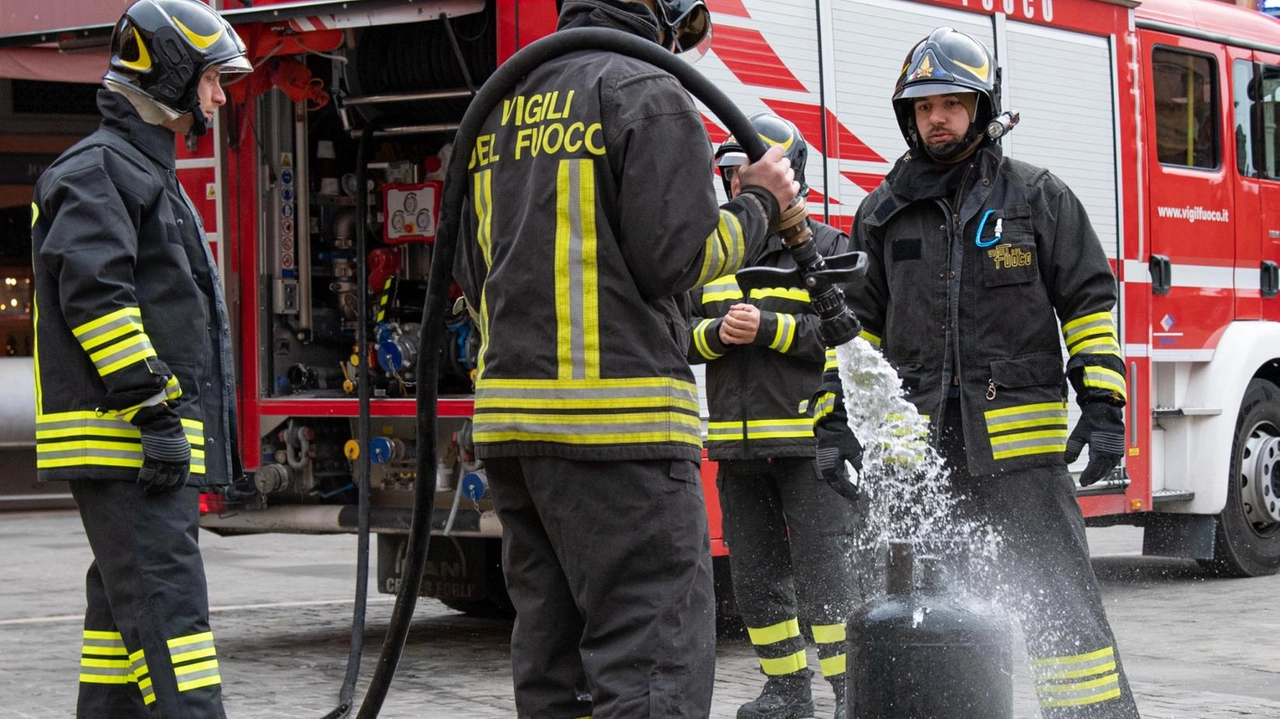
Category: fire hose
[838,324]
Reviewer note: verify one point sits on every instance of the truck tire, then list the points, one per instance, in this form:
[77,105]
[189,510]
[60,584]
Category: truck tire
[1247,542]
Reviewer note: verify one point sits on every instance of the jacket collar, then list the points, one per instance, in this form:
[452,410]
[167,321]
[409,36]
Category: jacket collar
[630,17]
[119,117]
[901,184]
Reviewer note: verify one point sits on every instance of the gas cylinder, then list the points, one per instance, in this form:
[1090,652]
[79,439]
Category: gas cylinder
[918,653]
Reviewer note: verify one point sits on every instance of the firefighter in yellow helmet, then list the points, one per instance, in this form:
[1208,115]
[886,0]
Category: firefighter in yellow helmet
[585,230]
[789,532]
[980,266]
[135,392]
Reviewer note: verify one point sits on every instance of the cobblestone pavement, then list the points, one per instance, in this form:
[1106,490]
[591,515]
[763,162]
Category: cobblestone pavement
[1194,647]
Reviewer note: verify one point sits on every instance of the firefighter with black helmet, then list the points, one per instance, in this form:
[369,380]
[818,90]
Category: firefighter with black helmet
[135,388]
[980,268]
[789,533]
[585,230]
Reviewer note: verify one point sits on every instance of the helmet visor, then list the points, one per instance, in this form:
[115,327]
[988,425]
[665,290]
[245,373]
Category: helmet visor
[925,89]
[692,29]
[236,65]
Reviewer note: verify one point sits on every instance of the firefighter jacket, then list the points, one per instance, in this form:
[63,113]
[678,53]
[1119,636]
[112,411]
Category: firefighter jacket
[129,310]
[591,214]
[754,391]
[967,270]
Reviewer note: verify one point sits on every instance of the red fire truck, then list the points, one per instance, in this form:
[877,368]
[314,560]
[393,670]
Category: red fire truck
[1163,116]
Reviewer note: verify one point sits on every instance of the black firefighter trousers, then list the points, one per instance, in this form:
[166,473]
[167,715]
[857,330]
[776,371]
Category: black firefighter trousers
[1044,578]
[790,538]
[608,565]
[147,649]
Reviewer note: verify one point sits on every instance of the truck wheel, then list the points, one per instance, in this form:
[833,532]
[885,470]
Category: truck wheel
[1248,537]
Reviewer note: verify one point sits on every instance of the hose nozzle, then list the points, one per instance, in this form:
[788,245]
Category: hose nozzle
[821,277]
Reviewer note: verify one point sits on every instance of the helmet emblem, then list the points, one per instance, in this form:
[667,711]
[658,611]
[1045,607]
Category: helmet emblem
[200,41]
[925,69]
[143,63]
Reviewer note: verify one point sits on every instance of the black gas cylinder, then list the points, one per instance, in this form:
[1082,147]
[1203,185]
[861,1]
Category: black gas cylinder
[917,653]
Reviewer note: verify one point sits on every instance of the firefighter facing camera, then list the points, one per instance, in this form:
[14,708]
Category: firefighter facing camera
[586,410]
[789,534]
[973,259]
[137,400]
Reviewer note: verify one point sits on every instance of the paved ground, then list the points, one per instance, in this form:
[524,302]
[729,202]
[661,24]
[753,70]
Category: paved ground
[1195,647]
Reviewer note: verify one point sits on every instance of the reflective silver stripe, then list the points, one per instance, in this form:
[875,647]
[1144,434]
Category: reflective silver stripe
[491,396]
[196,646]
[1036,416]
[105,424]
[112,358]
[1082,693]
[104,671]
[55,451]
[1074,666]
[700,340]
[624,425]
[128,320]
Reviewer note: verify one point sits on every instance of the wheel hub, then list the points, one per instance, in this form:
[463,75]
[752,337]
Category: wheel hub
[1260,477]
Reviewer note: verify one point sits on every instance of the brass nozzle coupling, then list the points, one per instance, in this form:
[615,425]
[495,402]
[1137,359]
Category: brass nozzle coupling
[793,225]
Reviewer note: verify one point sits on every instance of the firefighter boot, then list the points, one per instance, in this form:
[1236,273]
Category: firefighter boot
[784,697]
[842,712]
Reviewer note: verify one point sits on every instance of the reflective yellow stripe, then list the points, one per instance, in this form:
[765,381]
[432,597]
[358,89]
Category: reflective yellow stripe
[700,340]
[724,431]
[774,633]
[195,646]
[483,196]
[577,272]
[121,314]
[782,293]
[723,249]
[1105,379]
[1076,665]
[830,362]
[194,676]
[785,334]
[825,405]
[832,666]
[1029,429]
[789,664]
[720,290]
[1097,325]
[1077,694]
[874,339]
[828,633]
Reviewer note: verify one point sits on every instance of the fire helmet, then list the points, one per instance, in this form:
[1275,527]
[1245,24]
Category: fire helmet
[162,47]
[947,61]
[773,130]
[685,24]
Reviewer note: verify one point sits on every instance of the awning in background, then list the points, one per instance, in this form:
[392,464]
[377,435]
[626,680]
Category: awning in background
[24,16]
[47,63]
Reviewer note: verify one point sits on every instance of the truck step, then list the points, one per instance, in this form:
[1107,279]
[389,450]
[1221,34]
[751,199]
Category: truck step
[1167,496]
[1176,412]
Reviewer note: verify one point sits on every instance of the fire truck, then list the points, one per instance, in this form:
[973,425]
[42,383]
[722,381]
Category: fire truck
[1163,116]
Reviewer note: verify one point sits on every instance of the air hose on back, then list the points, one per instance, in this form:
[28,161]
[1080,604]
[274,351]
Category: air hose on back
[821,281]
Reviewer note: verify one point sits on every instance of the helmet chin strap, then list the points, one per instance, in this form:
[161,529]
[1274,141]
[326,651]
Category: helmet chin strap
[199,125]
[953,152]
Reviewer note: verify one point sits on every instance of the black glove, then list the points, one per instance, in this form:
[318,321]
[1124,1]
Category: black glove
[836,440]
[1101,426]
[166,453]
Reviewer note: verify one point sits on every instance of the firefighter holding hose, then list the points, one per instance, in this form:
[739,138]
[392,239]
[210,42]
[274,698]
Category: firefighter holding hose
[585,226]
